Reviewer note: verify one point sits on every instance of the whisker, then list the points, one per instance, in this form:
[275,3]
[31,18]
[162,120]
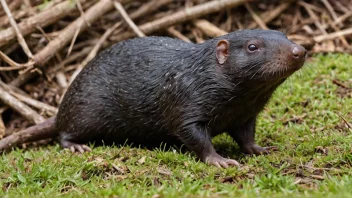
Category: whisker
[253,66]
[256,72]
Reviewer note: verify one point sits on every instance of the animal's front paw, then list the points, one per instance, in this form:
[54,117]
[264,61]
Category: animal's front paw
[220,162]
[254,149]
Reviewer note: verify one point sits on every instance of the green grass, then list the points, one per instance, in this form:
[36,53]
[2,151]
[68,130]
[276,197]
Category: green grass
[304,120]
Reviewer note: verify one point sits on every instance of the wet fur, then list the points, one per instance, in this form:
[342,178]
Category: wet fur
[156,89]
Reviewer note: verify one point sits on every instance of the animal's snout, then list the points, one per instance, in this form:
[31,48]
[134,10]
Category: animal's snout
[296,56]
[298,52]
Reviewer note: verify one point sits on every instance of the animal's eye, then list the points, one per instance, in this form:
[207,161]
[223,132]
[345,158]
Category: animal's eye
[252,47]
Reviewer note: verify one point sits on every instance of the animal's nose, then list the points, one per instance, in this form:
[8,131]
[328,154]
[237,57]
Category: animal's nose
[298,52]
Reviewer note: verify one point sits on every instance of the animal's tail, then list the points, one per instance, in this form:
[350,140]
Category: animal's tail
[37,132]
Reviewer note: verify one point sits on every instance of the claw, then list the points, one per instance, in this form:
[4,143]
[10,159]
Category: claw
[220,162]
[81,148]
[257,150]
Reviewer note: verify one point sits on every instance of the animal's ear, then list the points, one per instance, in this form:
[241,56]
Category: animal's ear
[222,51]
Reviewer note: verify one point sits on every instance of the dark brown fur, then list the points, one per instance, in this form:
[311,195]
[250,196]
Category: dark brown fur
[156,89]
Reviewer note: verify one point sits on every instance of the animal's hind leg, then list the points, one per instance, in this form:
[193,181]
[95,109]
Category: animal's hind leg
[74,147]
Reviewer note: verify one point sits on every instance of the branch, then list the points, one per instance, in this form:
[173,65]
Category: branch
[65,36]
[94,9]
[182,16]
[271,14]
[14,25]
[334,35]
[33,133]
[255,17]
[149,7]
[173,32]
[208,28]
[42,19]
[35,103]
[19,107]
[127,19]
[13,64]
[2,125]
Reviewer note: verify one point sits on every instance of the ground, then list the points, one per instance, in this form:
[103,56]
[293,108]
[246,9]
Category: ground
[309,120]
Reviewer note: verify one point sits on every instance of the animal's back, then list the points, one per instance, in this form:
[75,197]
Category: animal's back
[117,96]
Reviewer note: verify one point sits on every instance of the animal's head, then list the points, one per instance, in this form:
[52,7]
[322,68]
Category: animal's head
[258,55]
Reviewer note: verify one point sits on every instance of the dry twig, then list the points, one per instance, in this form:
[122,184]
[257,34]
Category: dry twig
[65,36]
[42,19]
[271,14]
[36,104]
[149,7]
[182,15]
[29,135]
[208,28]
[13,64]
[256,18]
[172,31]
[334,35]
[19,107]
[14,25]
[127,19]
[2,124]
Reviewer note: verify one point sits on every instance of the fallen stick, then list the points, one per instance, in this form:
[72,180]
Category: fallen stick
[65,36]
[91,15]
[255,17]
[14,25]
[338,26]
[35,103]
[334,35]
[149,7]
[127,19]
[339,20]
[331,10]
[305,41]
[271,14]
[2,124]
[2,128]
[13,64]
[11,68]
[197,35]
[14,4]
[19,107]
[70,59]
[4,20]
[42,19]
[309,10]
[29,134]
[182,16]
[9,88]
[173,32]
[208,28]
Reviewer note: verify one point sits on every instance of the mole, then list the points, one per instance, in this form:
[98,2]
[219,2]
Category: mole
[157,89]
